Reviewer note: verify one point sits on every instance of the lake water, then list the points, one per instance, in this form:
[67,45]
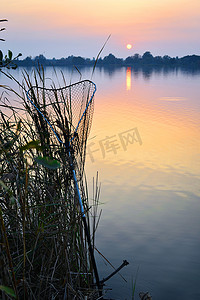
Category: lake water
[145,144]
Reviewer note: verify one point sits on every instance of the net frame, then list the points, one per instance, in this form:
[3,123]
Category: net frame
[68,111]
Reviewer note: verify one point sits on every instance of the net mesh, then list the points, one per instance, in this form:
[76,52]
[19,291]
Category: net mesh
[68,111]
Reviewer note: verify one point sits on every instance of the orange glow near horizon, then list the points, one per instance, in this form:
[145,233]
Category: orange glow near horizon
[120,16]
[147,23]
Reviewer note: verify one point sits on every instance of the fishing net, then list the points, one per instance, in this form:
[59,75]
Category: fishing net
[68,111]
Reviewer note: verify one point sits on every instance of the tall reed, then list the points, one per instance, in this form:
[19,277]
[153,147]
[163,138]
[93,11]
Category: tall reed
[43,248]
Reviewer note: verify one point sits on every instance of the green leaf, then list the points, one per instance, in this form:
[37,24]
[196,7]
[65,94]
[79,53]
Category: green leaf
[8,291]
[31,145]
[10,54]
[134,286]
[48,162]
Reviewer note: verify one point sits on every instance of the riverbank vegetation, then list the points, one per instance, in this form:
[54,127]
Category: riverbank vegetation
[43,249]
[136,60]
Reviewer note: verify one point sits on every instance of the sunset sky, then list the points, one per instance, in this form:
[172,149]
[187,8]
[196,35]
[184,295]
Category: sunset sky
[59,28]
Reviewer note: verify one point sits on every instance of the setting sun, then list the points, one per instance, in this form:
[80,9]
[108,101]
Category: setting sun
[128,46]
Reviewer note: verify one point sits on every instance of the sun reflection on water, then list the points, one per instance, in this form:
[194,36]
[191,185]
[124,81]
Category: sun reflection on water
[128,78]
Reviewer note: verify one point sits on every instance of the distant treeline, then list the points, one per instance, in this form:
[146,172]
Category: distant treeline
[147,59]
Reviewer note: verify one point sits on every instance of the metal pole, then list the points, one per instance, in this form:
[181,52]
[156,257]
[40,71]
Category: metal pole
[91,250]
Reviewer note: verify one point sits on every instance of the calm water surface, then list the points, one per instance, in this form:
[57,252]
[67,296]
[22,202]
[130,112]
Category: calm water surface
[145,144]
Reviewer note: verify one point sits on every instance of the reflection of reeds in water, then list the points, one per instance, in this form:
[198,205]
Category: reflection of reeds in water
[43,249]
